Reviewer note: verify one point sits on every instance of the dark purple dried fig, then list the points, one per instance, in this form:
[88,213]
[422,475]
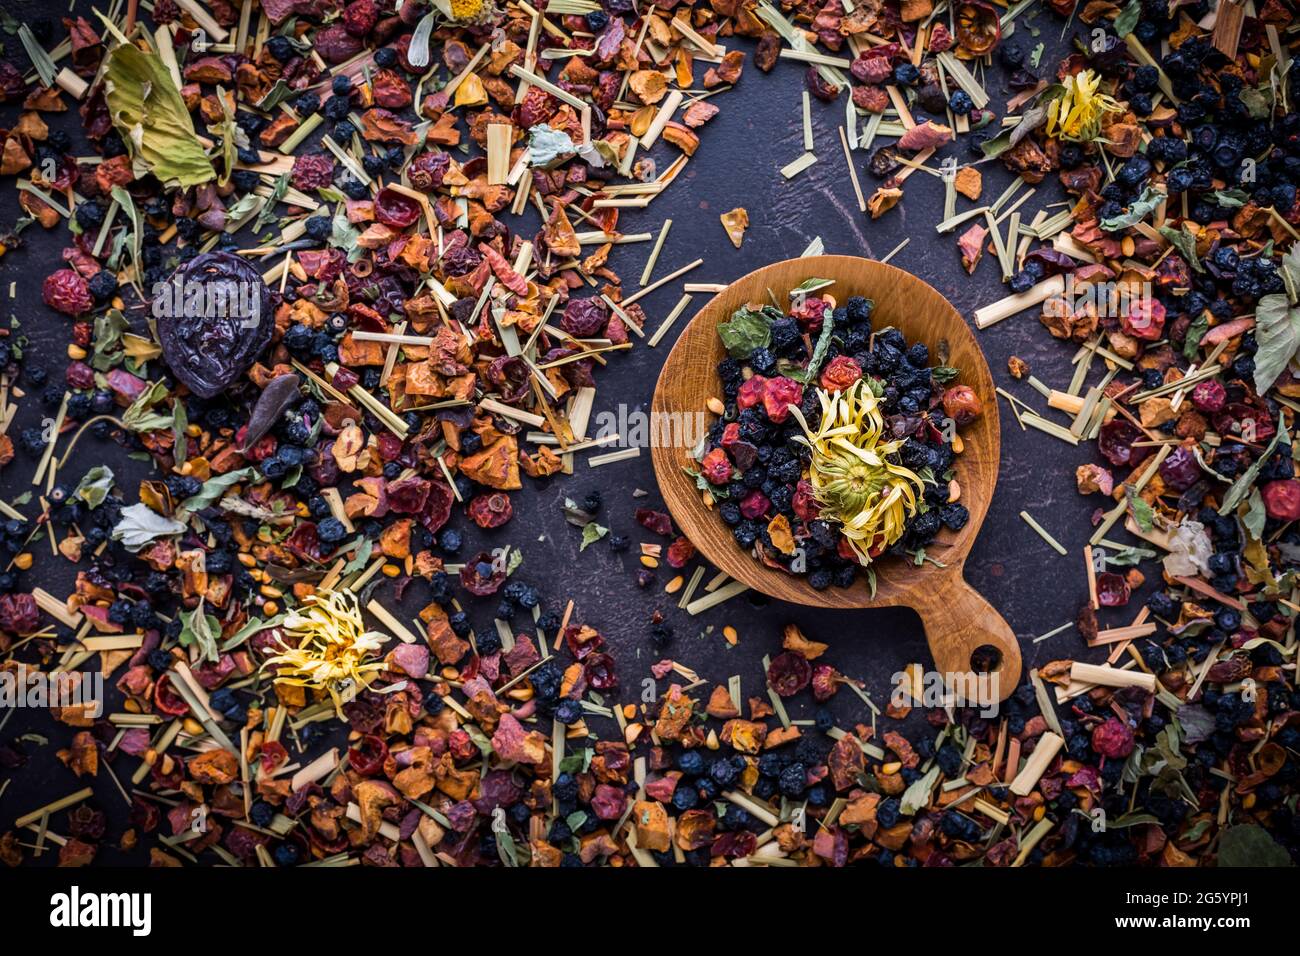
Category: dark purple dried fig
[215,315]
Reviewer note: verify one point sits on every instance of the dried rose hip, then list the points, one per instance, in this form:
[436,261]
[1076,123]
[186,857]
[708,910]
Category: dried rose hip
[312,171]
[396,210]
[789,673]
[679,553]
[599,672]
[427,170]
[67,292]
[584,318]
[490,511]
[1113,738]
[360,17]
[961,404]
[208,352]
[481,576]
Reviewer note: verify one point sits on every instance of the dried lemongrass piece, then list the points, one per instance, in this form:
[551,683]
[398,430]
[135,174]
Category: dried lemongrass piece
[796,166]
[1048,746]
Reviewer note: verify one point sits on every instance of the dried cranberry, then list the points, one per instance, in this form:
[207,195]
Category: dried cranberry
[67,292]
[490,511]
[1282,499]
[789,673]
[754,505]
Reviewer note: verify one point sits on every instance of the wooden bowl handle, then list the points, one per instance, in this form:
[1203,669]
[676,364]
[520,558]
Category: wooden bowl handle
[957,621]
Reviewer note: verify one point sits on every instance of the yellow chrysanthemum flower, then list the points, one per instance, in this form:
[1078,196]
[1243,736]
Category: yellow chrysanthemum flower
[1076,113]
[326,647]
[853,478]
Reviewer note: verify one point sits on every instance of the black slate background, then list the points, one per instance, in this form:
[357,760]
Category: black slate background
[757,132]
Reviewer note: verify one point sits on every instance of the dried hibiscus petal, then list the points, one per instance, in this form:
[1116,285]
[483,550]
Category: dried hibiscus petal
[657,521]
[599,672]
[1112,590]
[481,575]
[1115,442]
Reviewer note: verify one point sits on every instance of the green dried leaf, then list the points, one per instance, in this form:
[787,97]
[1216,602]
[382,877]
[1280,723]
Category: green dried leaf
[94,486]
[1249,845]
[149,112]
[749,329]
[1277,334]
[591,533]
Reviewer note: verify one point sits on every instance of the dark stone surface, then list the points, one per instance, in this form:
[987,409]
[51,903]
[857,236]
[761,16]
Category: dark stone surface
[757,132]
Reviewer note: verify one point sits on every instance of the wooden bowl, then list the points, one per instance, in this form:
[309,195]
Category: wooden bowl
[957,620]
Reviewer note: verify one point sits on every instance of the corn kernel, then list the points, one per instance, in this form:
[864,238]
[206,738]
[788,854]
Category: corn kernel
[391,570]
[76,352]
[730,635]
[23,561]
[192,727]
[675,585]
[270,608]
[271,591]
[247,560]
[648,561]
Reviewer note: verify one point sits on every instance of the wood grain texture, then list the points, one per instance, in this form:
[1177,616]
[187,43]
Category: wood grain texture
[957,619]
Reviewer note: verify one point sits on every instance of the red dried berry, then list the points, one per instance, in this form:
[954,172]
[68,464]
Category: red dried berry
[840,373]
[804,504]
[80,375]
[360,17]
[1209,396]
[680,552]
[1282,499]
[1180,470]
[490,511]
[1115,441]
[754,505]
[396,210]
[67,292]
[584,318]
[18,613]
[716,468]
[312,171]
[780,394]
[751,392]
[599,672]
[1145,319]
[367,758]
[1113,738]
[427,170]
[1112,590]
[336,45]
[789,673]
